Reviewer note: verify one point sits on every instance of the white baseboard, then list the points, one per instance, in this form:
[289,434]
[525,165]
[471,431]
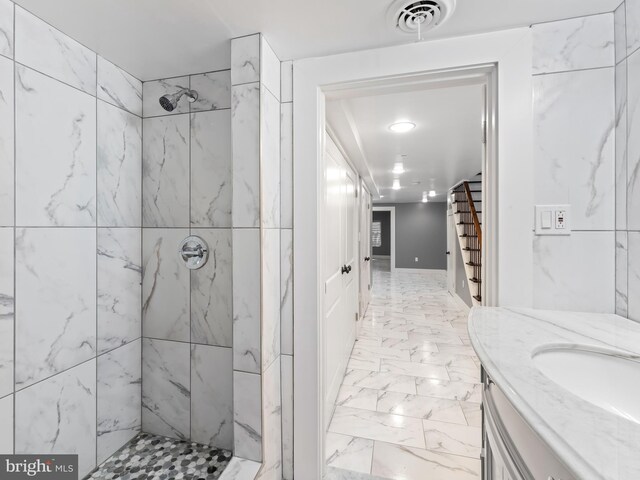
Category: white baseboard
[462,303]
[420,270]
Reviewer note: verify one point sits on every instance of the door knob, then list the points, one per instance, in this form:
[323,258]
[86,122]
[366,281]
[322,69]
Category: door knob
[448,253]
[348,268]
[343,269]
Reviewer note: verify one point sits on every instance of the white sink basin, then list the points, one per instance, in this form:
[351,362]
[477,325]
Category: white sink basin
[606,378]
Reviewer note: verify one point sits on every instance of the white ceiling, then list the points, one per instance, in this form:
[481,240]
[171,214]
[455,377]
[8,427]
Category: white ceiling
[161,38]
[444,148]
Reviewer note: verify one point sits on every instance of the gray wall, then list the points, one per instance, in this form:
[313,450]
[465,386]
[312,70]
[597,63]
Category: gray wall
[385,219]
[421,231]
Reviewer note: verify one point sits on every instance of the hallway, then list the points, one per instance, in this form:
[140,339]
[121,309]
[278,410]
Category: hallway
[409,405]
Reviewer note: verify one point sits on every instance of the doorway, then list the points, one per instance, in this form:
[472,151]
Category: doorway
[448,61]
[383,256]
[407,380]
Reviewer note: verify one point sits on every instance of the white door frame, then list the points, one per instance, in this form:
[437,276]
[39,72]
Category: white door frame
[510,276]
[393,232]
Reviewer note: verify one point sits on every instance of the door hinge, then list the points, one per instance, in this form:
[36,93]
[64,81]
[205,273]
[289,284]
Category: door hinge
[356,316]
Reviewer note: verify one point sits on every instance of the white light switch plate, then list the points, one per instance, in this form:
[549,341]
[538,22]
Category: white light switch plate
[553,219]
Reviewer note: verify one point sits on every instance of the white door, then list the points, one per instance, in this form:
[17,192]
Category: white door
[339,270]
[365,248]
[452,245]
[351,264]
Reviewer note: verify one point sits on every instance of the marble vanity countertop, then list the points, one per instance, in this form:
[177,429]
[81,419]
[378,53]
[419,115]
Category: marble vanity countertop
[592,442]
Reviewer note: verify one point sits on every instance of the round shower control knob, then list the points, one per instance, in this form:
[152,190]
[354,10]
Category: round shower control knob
[194,252]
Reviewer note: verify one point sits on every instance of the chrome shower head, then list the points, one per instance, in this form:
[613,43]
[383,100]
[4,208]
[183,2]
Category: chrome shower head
[170,101]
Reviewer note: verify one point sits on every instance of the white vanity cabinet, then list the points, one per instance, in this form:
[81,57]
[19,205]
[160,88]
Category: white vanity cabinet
[511,449]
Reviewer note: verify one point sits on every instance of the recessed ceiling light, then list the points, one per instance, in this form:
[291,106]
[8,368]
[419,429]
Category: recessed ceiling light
[398,168]
[396,184]
[432,193]
[401,127]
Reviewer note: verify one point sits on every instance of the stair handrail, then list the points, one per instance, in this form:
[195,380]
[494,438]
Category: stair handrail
[474,214]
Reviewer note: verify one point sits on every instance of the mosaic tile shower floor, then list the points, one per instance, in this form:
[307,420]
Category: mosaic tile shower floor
[153,457]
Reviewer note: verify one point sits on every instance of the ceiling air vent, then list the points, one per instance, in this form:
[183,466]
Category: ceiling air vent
[416,17]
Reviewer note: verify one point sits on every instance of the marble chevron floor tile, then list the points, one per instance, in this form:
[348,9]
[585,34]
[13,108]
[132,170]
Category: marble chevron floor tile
[455,439]
[400,462]
[424,370]
[416,406]
[380,381]
[356,397]
[369,342]
[370,364]
[411,345]
[452,390]
[365,351]
[387,427]
[351,453]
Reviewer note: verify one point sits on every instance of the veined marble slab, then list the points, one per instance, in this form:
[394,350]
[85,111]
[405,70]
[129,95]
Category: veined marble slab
[119,167]
[119,398]
[119,291]
[378,426]
[6,138]
[56,282]
[577,43]
[6,28]
[6,311]
[6,425]
[55,176]
[58,415]
[211,168]
[47,50]
[118,87]
[166,392]
[396,461]
[351,453]
[416,406]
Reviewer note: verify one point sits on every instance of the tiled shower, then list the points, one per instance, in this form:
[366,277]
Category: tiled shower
[113,335]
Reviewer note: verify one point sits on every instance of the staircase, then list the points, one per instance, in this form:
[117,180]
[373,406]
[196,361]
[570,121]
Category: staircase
[466,198]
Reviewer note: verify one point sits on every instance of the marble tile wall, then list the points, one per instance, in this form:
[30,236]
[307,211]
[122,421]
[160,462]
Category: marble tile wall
[261,219]
[574,67]
[627,46]
[70,236]
[187,314]
[286,264]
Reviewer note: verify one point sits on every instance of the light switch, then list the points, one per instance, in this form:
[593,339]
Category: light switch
[553,219]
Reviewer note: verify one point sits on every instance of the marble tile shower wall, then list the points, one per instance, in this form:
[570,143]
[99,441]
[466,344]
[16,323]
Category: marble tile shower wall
[262,118]
[257,246]
[70,219]
[575,161]
[286,265]
[627,47]
[187,367]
